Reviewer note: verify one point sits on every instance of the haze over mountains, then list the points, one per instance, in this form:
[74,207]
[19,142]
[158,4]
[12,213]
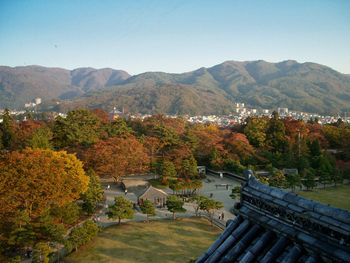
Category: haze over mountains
[306,87]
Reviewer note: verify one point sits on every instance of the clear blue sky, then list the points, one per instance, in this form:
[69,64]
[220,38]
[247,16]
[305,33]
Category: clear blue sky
[172,35]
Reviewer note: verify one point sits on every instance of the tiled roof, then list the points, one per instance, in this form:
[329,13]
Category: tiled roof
[276,226]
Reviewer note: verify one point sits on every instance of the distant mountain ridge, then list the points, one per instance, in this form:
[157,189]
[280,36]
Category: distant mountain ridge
[306,87]
[22,84]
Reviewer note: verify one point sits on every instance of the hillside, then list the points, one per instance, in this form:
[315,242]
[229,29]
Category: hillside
[21,85]
[306,87]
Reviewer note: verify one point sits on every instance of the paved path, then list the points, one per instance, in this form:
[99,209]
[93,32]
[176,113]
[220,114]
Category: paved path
[209,188]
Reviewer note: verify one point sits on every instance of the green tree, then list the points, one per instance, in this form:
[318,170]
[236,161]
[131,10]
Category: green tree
[292,181]
[8,131]
[197,200]
[22,231]
[148,208]
[93,195]
[82,235]
[189,167]
[41,253]
[209,206]
[41,138]
[80,127]
[175,205]
[277,179]
[275,135]
[309,179]
[167,170]
[121,209]
[255,131]
[117,128]
[46,230]
[67,214]
[324,177]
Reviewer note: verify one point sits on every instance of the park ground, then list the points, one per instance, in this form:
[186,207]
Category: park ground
[337,196]
[167,240]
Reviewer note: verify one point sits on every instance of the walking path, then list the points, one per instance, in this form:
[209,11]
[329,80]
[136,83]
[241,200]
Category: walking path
[209,189]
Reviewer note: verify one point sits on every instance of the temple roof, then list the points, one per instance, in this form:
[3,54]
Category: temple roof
[273,225]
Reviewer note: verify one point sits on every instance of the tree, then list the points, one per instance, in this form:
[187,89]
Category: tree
[33,180]
[118,128]
[275,135]
[117,157]
[148,208]
[80,127]
[93,195]
[82,235]
[293,180]
[256,131]
[41,253]
[41,138]
[167,170]
[210,206]
[277,179]
[21,231]
[7,128]
[121,209]
[197,200]
[175,205]
[67,214]
[309,179]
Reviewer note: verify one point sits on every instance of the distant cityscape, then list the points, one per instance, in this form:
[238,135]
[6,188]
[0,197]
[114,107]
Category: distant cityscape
[238,115]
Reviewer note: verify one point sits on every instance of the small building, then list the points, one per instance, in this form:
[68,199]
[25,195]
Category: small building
[156,196]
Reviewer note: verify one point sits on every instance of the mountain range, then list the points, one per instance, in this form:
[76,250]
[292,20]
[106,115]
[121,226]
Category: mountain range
[308,87]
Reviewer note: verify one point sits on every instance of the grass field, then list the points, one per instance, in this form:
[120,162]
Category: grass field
[156,241]
[338,196]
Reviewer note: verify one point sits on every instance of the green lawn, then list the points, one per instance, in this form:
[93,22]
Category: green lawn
[157,241]
[338,196]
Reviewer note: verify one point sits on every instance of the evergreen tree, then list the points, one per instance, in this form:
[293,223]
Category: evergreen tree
[175,205]
[121,209]
[148,208]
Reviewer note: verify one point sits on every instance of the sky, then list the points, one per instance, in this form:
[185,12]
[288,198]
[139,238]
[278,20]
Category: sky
[172,35]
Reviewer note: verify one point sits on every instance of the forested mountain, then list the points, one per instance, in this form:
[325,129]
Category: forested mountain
[21,85]
[306,87]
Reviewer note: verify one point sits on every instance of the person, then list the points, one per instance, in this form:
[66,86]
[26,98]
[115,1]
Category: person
[29,252]
[222,216]
[211,195]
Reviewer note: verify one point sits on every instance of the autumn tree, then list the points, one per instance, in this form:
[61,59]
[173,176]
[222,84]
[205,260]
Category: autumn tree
[238,146]
[117,157]
[33,180]
[121,209]
[175,205]
[148,208]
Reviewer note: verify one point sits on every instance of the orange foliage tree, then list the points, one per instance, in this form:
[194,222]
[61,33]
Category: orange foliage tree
[116,157]
[33,180]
